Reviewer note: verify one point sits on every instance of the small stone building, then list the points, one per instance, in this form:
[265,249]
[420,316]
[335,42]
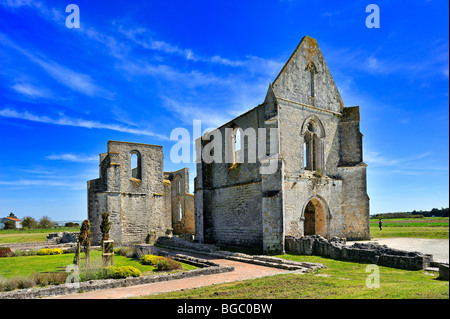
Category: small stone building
[132,190]
[182,202]
[318,186]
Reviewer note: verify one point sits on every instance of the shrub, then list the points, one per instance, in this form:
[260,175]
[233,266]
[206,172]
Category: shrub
[9,224]
[50,251]
[70,225]
[167,264]
[25,282]
[49,278]
[122,272]
[9,284]
[150,259]
[125,251]
[5,252]
[29,222]
[26,252]
[46,222]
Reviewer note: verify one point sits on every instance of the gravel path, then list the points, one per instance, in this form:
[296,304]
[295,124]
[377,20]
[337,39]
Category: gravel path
[242,271]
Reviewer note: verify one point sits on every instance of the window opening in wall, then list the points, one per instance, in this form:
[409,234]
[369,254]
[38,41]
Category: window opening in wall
[305,155]
[311,82]
[237,146]
[312,157]
[180,212]
[135,165]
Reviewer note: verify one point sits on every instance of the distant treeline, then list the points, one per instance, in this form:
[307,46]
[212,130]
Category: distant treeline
[436,212]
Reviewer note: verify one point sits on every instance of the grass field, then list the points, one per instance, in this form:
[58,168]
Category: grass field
[427,227]
[29,235]
[341,280]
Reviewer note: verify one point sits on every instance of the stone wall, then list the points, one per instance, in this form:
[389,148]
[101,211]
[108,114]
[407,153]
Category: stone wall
[134,197]
[443,271]
[368,253]
[62,237]
[318,159]
[182,202]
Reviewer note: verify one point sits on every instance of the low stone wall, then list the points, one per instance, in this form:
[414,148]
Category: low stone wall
[443,272]
[371,252]
[94,285]
[62,237]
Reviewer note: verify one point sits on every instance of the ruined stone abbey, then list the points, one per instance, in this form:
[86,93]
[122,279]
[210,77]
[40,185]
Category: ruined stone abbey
[318,185]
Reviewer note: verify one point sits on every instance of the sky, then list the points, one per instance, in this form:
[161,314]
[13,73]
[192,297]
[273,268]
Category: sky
[136,70]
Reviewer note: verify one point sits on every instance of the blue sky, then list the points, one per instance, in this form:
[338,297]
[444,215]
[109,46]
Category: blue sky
[135,70]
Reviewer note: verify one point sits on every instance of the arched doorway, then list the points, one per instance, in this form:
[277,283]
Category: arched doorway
[315,218]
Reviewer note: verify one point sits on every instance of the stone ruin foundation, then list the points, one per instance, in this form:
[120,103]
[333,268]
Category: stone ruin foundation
[373,253]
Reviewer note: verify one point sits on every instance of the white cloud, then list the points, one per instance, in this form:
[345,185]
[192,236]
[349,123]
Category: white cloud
[42,9]
[189,79]
[67,121]
[31,91]
[43,183]
[188,112]
[76,81]
[80,158]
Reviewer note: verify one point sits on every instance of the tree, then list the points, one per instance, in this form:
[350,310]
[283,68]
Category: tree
[71,225]
[84,240]
[105,227]
[12,215]
[46,222]
[29,222]
[9,224]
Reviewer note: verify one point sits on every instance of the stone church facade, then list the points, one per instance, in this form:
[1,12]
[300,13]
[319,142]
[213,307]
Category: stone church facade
[302,130]
[319,185]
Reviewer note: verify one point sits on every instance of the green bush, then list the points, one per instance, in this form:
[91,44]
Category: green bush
[27,252]
[50,251]
[49,278]
[167,263]
[122,272]
[150,259]
[34,280]
[5,252]
[129,252]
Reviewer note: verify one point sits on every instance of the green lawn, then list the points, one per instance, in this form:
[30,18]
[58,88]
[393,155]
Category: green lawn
[341,280]
[428,227]
[25,265]
[29,235]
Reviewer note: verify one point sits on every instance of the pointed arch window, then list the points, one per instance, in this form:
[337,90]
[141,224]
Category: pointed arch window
[236,144]
[136,170]
[313,136]
[311,68]
[180,212]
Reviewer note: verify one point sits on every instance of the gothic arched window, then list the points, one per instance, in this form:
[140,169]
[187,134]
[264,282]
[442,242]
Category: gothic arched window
[311,68]
[136,171]
[313,134]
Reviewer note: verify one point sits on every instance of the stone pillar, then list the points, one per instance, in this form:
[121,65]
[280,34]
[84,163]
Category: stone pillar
[272,210]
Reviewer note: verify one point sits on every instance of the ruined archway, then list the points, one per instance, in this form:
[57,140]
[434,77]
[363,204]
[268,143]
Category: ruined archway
[315,218]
